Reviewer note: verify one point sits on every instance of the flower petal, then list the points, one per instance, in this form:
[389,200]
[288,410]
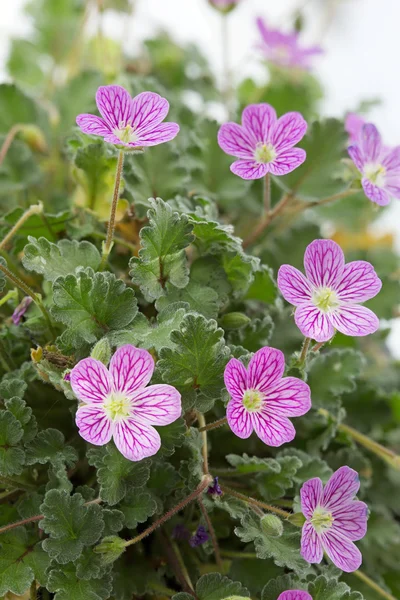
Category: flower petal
[114,104]
[356,156]
[294,595]
[359,282]
[239,419]
[311,495]
[351,520]
[265,369]
[249,169]
[156,404]
[294,287]
[353,125]
[259,119]
[273,429]
[235,376]
[375,193]
[93,125]
[93,424]
[354,320]
[311,545]
[324,262]
[148,111]
[135,440]
[90,381]
[371,143]
[391,161]
[313,323]
[236,141]
[164,132]
[131,369]
[342,552]
[290,397]
[288,131]
[287,160]
[341,489]
[392,186]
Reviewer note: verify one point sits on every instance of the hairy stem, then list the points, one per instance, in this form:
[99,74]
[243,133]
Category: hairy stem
[304,351]
[111,223]
[269,217]
[374,586]
[177,564]
[8,141]
[317,347]
[267,194]
[213,425]
[204,450]
[212,534]
[35,209]
[249,500]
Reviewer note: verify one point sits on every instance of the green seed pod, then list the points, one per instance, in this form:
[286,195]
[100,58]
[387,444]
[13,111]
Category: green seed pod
[234,320]
[110,548]
[102,351]
[272,525]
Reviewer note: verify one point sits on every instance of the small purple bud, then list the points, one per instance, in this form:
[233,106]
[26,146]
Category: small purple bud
[67,376]
[180,532]
[21,310]
[200,537]
[215,489]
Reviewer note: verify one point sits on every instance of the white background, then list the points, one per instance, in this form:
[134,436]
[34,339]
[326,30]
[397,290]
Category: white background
[360,38]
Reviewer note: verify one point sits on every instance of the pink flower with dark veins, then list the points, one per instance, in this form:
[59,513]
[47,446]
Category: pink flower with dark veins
[117,404]
[263,143]
[378,165]
[262,399]
[130,122]
[328,297]
[294,595]
[353,125]
[334,520]
[284,49]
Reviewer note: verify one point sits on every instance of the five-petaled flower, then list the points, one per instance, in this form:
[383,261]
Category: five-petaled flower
[284,49]
[262,399]
[129,122]
[264,144]
[117,404]
[327,298]
[334,520]
[378,165]
[294,595]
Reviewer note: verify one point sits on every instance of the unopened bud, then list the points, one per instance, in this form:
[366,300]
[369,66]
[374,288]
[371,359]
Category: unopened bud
[33,136]
[234,320]
[110,548]
[102,351]
[272,525]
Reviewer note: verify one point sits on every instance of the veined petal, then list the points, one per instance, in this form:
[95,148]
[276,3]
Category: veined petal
[375,193]
[392,186]
[287,160]
[135,440]
[90,381]
[294,595]
[265,369]
[294,287]
[236,141]
[93,125]
[356,156]
[324,263]
[249,169]
[311,496]
[156,404]
[359,282]
[273,430]
[342,552]
[354,320]
[260,120]
[391,161]
[340,489]
[148,111]
[353,125]
[288,131]
[351,520]
[235,376]
[371,143]
[131,369]
[290,397]
[239,419]
[311,545]
[164,132]
[313,323]
[114,104]
[93,424]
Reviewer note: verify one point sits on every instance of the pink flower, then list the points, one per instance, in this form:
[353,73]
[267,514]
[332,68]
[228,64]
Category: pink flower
[353,125]
[264,144]
[21,310]
[283,49]
[334,520]
[294,595]
[378,165]
[262,399]
[327,298]
[118,404]
[129,122]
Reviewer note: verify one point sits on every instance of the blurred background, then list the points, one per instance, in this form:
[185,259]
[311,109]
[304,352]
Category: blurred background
[359,38]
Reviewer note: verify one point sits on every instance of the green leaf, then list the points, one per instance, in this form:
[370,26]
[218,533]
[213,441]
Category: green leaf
[91,304]
[137,507]
[311,466]
[275,587]
[162,257]
[331,589]
[70,524]
[36,225]
[253,573]
[61,259]
[23,413]
[21,561]
[49,447]
[214,586]
[12,386]
[254,335]
[12,458]
[198,297]
[172,436]
[67,585]
[284,550]
[17,108]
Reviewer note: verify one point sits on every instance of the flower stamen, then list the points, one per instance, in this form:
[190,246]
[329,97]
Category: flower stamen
[117,407]
[265,153]
[253,400]
[322,520]
[325,299]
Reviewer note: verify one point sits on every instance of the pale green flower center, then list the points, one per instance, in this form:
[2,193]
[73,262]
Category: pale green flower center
[325,299]
[253,400]
[375,173]
[117,407]
[264,153]
[126,134]
[322,520]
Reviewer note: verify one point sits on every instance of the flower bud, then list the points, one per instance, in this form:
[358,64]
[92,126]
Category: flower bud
[224,6]
[234,320]
[33,137]
[102,351]
[272,525]
[110,548]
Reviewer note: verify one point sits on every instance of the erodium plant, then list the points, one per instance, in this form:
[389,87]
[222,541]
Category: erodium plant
[198,399]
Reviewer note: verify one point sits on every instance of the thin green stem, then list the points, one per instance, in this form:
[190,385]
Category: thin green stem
[317,347]
[258,503]
[36,209]
[8,141]
[205,482]
[213,425]
[243,555]
[269,217]
[203,429]
[267,194]
[304,351]
[111,223]
[211,531]
[117,240]
[226,84]
[374,586]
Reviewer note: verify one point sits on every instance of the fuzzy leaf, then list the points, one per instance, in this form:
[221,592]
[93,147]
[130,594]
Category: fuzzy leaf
[214,586]
[20,562]
[331,589]
[137,507]
[12,458]
[67,585]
